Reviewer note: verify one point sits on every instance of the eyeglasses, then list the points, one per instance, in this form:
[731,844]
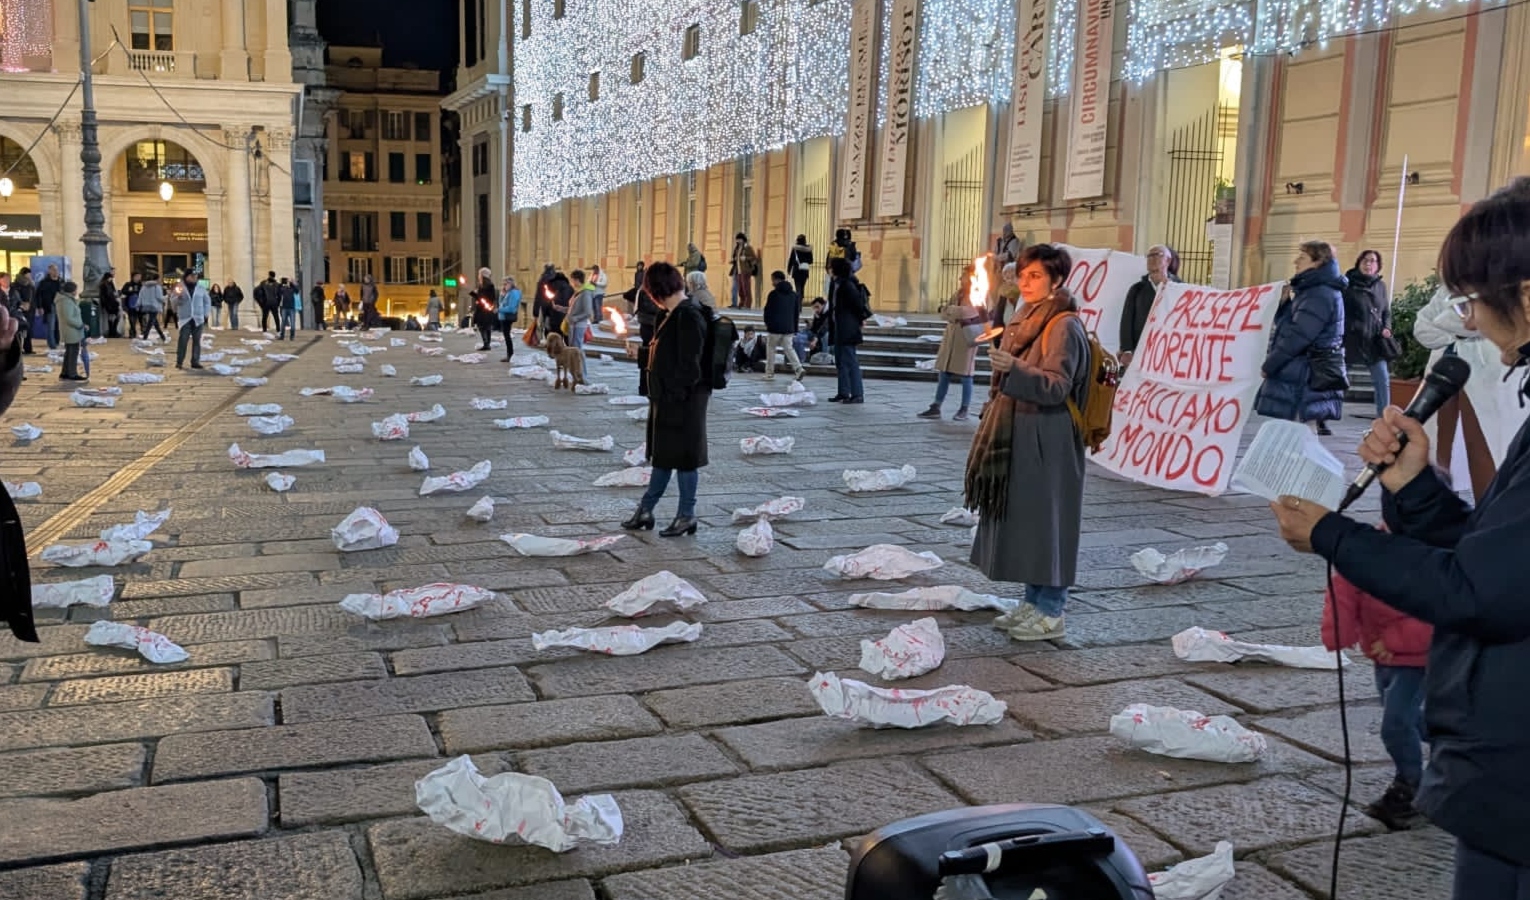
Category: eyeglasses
[1463,305]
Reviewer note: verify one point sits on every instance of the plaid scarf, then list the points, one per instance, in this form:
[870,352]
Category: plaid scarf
[987,482]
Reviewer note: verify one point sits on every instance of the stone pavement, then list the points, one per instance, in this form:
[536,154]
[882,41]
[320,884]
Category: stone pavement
[278,762]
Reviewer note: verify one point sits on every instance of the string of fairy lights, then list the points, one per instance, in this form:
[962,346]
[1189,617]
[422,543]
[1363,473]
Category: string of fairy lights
[720,79]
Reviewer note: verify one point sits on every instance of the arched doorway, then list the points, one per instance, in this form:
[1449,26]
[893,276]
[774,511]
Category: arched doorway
[158,188]
[21,231]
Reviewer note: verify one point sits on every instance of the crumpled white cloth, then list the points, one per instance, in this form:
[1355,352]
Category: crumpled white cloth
[458,481]
[143,525]
[351,395]
[902,708]
[633,476]
[429,351]
[429,415]
[882,321]
[418,461]
[482,511]
[243,460]
[417,602]
[26,431]
[79,398]
[883,562]
[26,490]
[140,378]
[534,373]
[469,359]
[355,369]
[1179,566]
[945,596]
[958,516]
[96,553]
[364,529]
[618,640]
[280,482]
[925,365]
[281,357]
[426,380]
[246,361]
[99,391]
[800,398]
[757,540]
[1186,734]
[391,428]
[592,389]
[1197,644]
[270,424]
[762,445]
[48,370]
[212,357]
[662,592]
[224,369]
[97,592]
[637,455]
[770,412]
[880,480]
[397,342]
[908,651]
[488,403]
[522,422]
[537,545]
[388,371]
[512,805]
[252,382]
[629,400]
[638,415]
[152,645]
[258,409]
[1203,878]
[348,361]
[779,508]
[569,442]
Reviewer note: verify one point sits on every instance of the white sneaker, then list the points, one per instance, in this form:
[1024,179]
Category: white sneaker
[1029,624]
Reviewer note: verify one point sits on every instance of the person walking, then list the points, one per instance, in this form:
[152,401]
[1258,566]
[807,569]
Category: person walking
[111,303]
[342,308]
[369,315]
[233,295]
[783,312]
[958,352]
[288,306]
[848,308]
[215,294]
[192,309]
[1306,355]
[316,296]
[679,389]
[694,261]
[1368,339]
[268,295]
[509,310]
[745,263]
[151,303]
[800,264]
[71,329]
[485,307]
[47,292]
[1025,473]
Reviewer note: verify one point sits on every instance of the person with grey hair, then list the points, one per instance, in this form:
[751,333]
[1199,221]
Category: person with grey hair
[696,288]
[1162,268]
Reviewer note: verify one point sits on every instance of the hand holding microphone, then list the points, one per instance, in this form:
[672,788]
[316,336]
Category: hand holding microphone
[1396,449]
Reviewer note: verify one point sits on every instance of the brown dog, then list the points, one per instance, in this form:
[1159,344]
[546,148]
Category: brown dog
[570,361]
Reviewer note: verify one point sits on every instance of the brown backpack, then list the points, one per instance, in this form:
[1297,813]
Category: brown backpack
[1093,420]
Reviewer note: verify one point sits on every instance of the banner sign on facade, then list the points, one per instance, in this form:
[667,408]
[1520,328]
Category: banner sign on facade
[897,134]
[1190,389]
[1089,118]
[1099,281]
[1022,174]
[855,156]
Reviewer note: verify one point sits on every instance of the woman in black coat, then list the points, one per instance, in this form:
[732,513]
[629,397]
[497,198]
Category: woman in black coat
[679,388]
[15,577]
[847,310]
[1309,324]
[1368,324]
[485,307]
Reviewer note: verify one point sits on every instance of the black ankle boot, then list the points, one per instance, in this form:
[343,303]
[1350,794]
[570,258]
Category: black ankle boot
[641,519]
[681,525]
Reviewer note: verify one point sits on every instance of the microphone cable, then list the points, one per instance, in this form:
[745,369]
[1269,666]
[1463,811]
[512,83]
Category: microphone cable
[1349,766]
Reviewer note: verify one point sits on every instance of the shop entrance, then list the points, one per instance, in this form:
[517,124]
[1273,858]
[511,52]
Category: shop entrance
[164,246]
[20,240]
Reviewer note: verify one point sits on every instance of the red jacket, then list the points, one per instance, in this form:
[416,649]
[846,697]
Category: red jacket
[1385,635]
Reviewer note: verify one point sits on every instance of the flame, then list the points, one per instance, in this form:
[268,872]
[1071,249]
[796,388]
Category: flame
[977,294]
[547,291]
[618,322]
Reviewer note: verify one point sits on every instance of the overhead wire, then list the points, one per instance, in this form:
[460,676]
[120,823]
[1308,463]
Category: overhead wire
[27,151]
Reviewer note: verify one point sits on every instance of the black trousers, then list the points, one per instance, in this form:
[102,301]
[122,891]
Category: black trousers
[505,326]
[645,336]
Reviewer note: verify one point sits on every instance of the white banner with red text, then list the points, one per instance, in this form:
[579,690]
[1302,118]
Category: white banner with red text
[1099,281]
[1181,408]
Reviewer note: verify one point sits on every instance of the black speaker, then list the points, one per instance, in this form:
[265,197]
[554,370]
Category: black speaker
[1002,852]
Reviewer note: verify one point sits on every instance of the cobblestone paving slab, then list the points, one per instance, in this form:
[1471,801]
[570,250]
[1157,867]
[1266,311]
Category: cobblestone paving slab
[1262,814]
[638,762]
[734,701]
[83,770]
[419,693]
[417,859]
[1407,864]
[117,688]
[111,722]
[84,665]
[1255,882]
[1082,710]
[660,668]
[61,882]
[302,867]
[280,673]
[1106,664]
[208,754]
[1268,689]
[366,792]
[557,890]
[1321,732]
[794,875]
[23,696]
[817,741]
[545,724]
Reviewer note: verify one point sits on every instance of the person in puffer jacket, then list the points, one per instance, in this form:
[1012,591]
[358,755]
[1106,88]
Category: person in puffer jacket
[1398,644]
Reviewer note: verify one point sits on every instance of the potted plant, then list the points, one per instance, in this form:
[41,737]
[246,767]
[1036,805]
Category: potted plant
[1408,369]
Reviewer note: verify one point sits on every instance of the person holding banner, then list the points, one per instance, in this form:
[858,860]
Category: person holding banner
[1307,345]
[1163,267]
[1025,473]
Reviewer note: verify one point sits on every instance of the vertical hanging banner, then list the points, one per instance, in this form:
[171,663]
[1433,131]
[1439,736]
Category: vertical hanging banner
[1099,281]
[1190,390]
[892,161]
[1089,118]
[1022,173]
[860,119]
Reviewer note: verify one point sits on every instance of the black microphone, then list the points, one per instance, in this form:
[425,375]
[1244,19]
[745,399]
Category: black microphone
[1443,382]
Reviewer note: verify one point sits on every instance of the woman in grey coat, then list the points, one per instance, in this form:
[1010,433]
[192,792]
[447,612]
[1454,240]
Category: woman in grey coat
[1025,474]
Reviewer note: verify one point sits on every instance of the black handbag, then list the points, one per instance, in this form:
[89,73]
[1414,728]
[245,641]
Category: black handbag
[1327,371]
[1388,347]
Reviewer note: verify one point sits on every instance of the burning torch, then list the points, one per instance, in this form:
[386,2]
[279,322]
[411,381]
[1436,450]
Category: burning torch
[977,296]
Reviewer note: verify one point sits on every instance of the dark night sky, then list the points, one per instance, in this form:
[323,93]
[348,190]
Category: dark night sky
[423,32]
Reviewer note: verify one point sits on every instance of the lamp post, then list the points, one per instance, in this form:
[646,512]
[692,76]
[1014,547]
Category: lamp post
[97,261]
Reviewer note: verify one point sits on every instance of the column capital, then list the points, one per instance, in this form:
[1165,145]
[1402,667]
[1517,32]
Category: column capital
[68,130]
[236,132]
[279,138]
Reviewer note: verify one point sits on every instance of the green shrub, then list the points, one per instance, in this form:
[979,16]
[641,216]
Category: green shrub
[1414,360]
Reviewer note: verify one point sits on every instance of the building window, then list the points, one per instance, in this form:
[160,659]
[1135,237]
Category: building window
[396,227]
[559,9]
[637,68]
[525,118]
[594,86]
[525,19]
[395,126]
[748,16]
[302,182]
[395,168]
[395,272]
[557,111]
[358,232]
[422,227]
[359,267]
[690,46]
[151,162]
[331,225]
[422,127]
[359,166]
[422,173]
[326,270]
[153,24]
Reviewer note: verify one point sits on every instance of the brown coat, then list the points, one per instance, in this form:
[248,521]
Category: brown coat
[957,356]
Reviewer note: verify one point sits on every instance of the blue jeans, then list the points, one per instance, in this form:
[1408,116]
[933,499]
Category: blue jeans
[576,334]
[1480,876]
[689,478]
[943,384]
[1402,718]
[287,324]
[233,316]
[847,364]
[51,320]
[1381,380]
[1050,600]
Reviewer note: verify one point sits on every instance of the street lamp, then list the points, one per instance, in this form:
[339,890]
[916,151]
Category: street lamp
[7,187]
[166,191]
[95,238]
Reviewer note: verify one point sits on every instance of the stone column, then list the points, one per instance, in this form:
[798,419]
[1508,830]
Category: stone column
[238,238]
[234,61]
[469,230]
[278,159]
[72,191]
[1258,115]
[217,254]
[1358,157]
[278,52]
[52,207]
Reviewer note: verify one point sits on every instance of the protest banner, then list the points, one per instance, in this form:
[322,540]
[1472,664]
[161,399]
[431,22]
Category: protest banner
[1099,281]
[1181,409]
